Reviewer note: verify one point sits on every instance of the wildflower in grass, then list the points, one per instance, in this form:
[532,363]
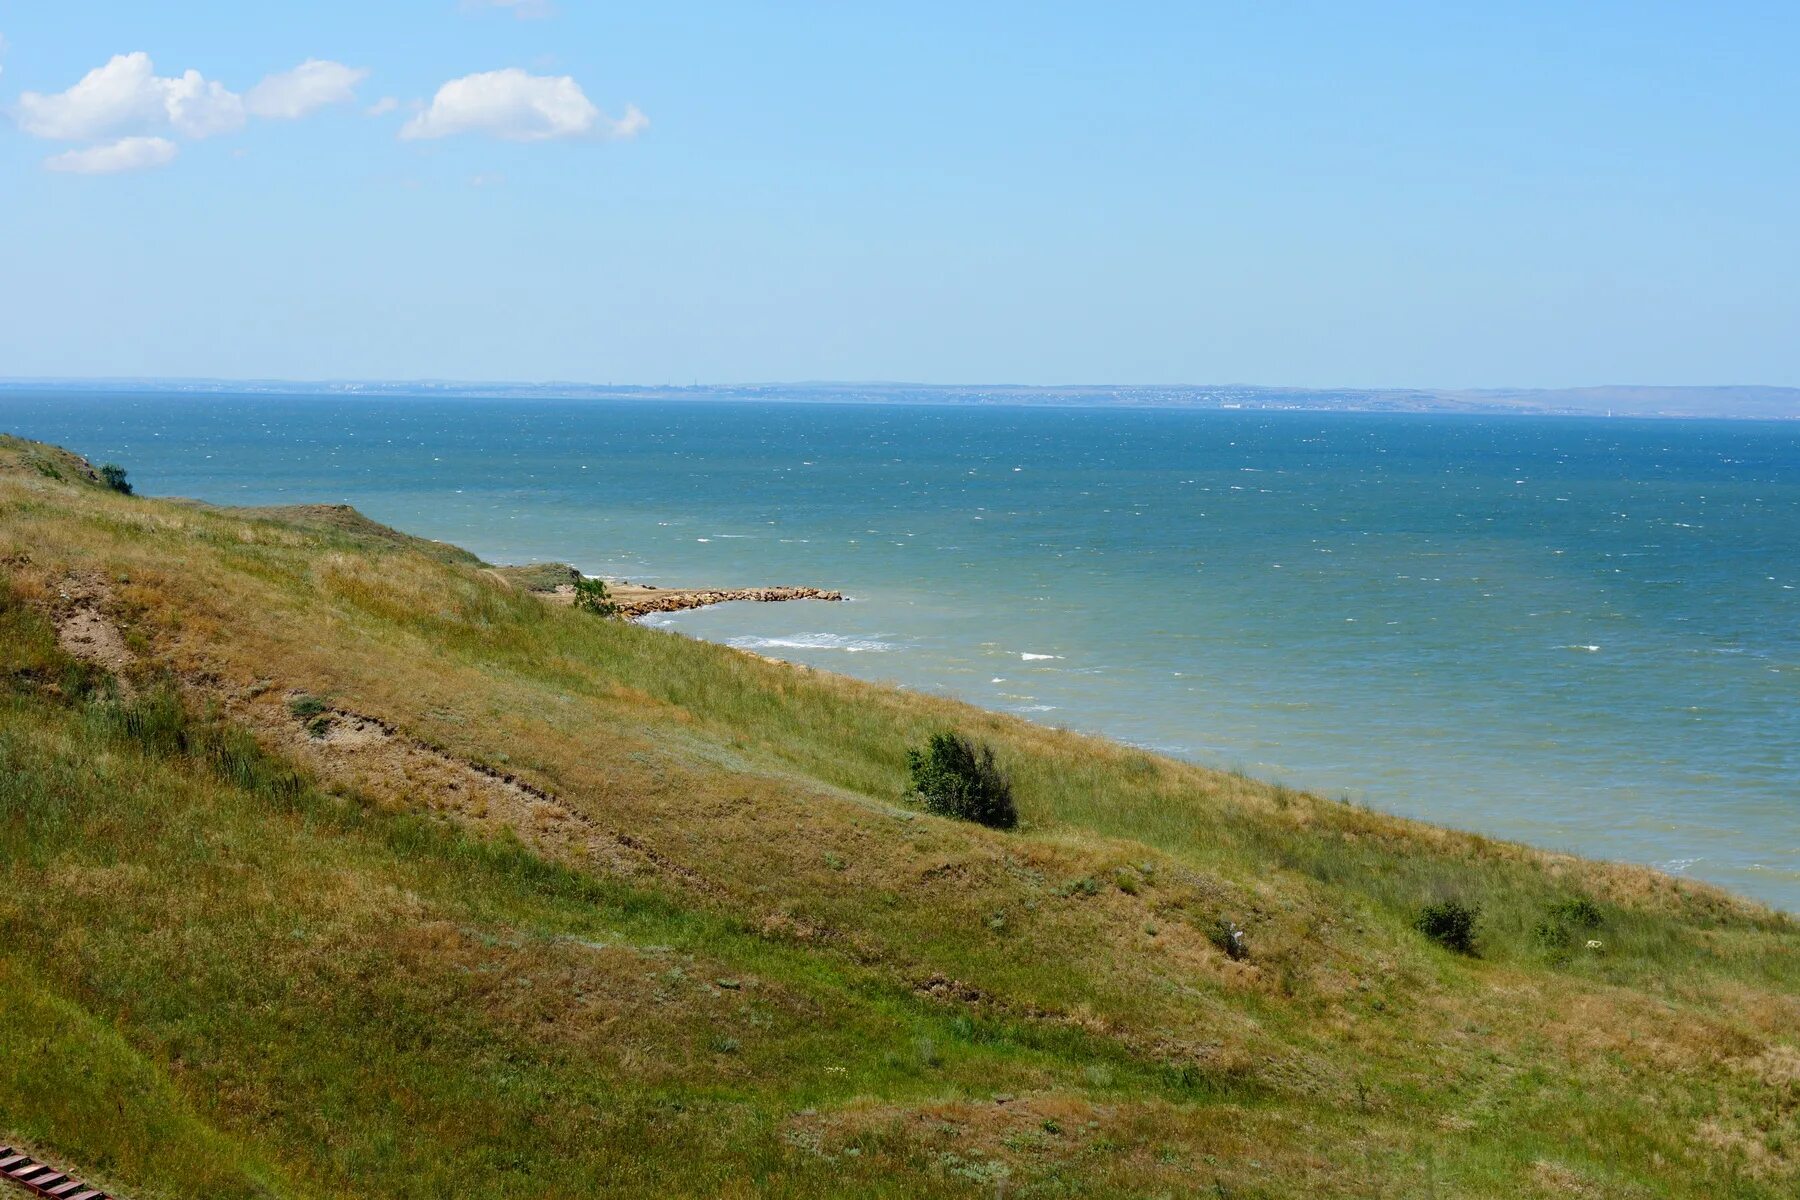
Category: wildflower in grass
[1593,943]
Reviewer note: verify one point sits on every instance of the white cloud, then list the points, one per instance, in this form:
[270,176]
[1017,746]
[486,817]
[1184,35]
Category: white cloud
[382,107]
[314,84]
[631,124]
[199,107]
[126,154]
[126,96]
[518,106]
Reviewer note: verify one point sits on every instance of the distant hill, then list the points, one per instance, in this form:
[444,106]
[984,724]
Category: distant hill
[1745,402]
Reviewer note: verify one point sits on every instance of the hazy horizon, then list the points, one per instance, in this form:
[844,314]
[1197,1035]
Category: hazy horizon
[1726,402]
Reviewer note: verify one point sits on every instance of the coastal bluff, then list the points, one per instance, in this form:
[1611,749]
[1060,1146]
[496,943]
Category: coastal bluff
[556,583]
[668,918]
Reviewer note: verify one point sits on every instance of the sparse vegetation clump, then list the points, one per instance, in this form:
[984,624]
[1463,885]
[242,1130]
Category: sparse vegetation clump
[1565,920]
[1450,923]
[591,596]
[305,706]
[955,777]
[1229,939]
[1578,913]
[113,476]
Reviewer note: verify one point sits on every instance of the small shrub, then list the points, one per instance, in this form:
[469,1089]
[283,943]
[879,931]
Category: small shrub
[1229,939]
[113,476]
[306,706]
[591,596]
[955,777]
[1449,923]
[1578,913]
[1557,931]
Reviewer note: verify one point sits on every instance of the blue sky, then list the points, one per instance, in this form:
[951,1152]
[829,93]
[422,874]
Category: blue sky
[1309,194]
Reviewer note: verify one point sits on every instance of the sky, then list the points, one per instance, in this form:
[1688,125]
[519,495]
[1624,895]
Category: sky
[1329,194]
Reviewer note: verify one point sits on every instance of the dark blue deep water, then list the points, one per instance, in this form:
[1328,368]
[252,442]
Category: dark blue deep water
[1583,633]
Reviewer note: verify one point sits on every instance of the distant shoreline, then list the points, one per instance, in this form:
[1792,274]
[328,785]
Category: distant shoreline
[1724,402]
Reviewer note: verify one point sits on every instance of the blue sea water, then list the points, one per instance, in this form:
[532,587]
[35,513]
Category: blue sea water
[1581,633]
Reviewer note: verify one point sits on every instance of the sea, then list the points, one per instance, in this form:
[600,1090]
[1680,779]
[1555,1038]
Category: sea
[1582,633]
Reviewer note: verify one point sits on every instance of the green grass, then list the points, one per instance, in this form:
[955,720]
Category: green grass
[249,961]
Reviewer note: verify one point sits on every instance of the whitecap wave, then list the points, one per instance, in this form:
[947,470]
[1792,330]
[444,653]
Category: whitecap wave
[1030,657]
[814,641]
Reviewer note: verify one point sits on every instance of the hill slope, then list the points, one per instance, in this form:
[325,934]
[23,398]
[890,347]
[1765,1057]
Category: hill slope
[334,864]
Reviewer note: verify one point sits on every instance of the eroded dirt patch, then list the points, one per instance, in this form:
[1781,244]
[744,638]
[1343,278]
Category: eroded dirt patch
[86,630]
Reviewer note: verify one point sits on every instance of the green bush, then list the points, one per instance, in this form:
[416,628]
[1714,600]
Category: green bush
[1449,923]
[591,596]
[113,476]
[1578,913]
[955,777]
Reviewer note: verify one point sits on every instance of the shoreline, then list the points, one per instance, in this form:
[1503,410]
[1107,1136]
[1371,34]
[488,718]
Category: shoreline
[555,583]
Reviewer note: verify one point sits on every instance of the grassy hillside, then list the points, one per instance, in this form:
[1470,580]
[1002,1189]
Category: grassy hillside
[333,863]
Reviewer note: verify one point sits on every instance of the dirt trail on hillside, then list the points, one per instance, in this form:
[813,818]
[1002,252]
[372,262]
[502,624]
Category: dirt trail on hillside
[377,759]
[372,756]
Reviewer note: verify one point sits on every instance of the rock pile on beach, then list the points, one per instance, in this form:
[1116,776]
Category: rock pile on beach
[635,603]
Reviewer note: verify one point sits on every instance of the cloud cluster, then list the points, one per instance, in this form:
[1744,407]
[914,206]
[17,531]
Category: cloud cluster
[133,118]
[520,107]
[132,111]
[126,96]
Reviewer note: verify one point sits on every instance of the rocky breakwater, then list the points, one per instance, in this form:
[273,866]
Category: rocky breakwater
[639,601]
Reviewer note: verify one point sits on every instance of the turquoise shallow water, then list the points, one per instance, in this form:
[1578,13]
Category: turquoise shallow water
[1581,633]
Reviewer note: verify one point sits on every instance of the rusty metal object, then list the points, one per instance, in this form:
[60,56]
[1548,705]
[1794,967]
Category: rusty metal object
[41,1179]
